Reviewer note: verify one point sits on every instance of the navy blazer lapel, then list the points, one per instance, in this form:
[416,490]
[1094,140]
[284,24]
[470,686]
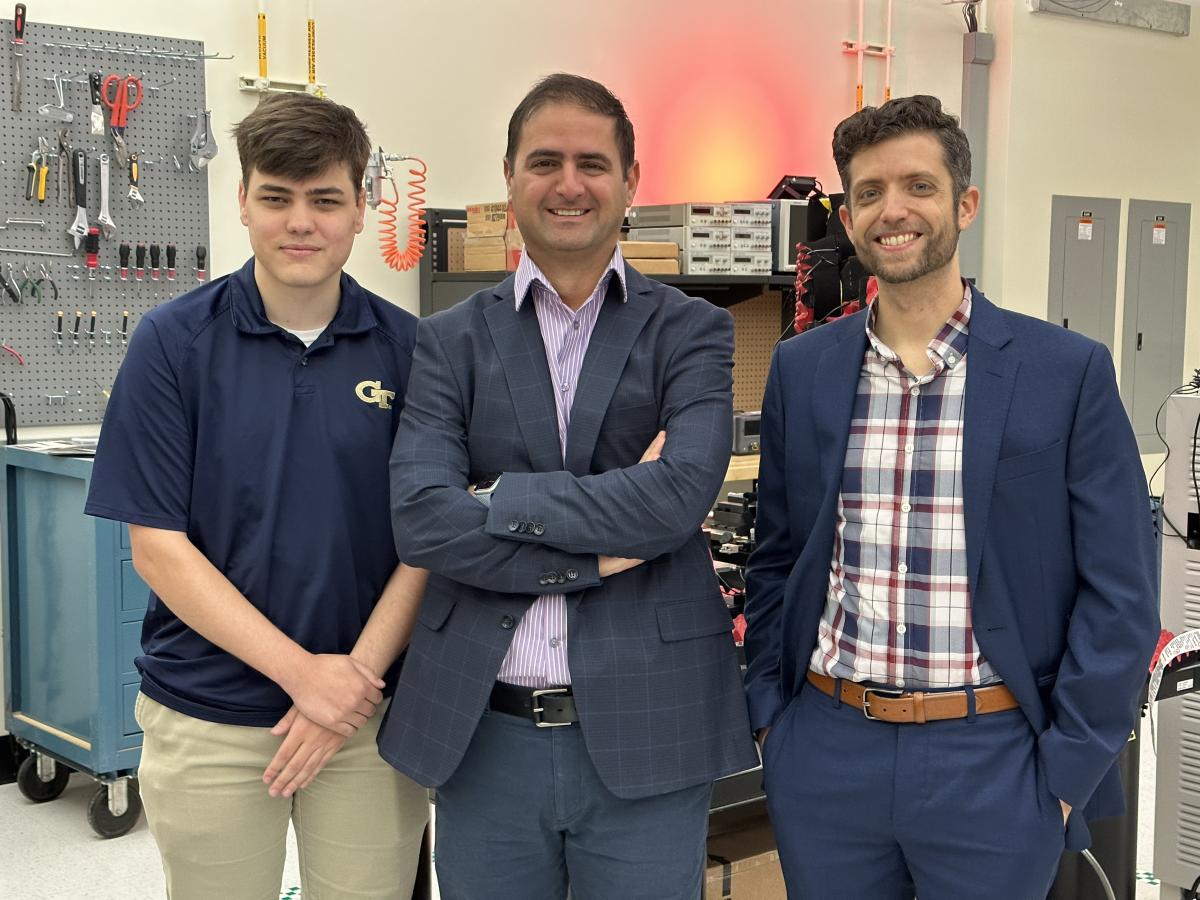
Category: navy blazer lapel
[617,328]
[835,385]
[991,373]
[518,341]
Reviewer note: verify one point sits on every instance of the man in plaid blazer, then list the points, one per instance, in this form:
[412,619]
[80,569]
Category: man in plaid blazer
[952,605]
[571,688]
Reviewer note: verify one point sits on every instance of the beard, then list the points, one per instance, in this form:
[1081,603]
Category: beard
[940,247]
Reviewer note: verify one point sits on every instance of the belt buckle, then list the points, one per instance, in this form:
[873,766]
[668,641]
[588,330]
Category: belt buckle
[866,702]
[538,710]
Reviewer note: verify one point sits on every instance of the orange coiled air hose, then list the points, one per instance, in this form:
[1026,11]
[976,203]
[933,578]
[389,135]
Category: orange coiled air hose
[389,244]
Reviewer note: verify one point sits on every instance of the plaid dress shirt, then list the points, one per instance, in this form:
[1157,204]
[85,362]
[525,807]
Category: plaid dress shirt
[898,610]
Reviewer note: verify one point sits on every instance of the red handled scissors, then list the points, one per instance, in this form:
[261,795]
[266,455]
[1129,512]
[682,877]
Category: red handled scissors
[126,98]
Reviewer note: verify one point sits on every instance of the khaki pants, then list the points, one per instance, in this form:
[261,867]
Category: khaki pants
[222,837]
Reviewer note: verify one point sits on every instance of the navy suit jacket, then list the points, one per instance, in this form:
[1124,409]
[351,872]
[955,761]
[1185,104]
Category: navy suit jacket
[651,655]
[1060,546]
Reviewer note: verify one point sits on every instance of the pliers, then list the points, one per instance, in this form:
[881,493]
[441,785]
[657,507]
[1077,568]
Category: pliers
[38,166]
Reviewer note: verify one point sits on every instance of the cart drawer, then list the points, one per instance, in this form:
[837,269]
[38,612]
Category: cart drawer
[135,593]
[131,648]
[125,543]
[128,720]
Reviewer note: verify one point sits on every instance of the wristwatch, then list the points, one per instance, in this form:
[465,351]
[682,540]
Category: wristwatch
[485,488]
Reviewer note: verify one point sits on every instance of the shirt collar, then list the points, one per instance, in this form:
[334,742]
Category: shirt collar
[948,346]
[528,272]
[354,314]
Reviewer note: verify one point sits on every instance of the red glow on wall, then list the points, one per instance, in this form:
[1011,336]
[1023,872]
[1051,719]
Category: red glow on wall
[711,132]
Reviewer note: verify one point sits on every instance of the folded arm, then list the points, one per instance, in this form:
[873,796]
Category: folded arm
[647,509]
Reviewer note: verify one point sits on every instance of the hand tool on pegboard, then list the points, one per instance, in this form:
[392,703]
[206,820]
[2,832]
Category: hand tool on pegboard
[79,228]
[43,168]
[92,247]
[18,54]
[105,219]
[58,113]
[123,255]
[97,117]
[170,262]
[140,261]
[204,146]
[201,262]
[135,170]
[121,95]
[155,258]
[66,184]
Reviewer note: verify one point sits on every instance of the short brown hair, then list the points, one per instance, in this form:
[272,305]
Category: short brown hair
[904,115]
[577,91]
[299,136]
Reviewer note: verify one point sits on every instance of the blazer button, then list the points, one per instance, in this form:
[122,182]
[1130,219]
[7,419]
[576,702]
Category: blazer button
[539,529]
[542,579]
[520,528]
[507,623]
[561,579]
[572,575]
[512,526]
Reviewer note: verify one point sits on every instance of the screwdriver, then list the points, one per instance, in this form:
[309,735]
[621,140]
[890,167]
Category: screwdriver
[154,258]
[123,251]
[92,332]
[124,326]
[58,329]
[170,262]
[201,262]
[140,261]
[91,245]
[78,322]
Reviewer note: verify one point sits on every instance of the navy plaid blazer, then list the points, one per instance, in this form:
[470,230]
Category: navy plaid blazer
[653,663]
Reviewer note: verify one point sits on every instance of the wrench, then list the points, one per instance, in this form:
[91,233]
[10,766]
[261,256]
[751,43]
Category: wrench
[134,173]
[79,228]
[107,225]
[66,185]
[204,147]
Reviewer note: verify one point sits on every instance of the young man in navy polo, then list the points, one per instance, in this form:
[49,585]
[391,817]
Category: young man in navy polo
[246,444]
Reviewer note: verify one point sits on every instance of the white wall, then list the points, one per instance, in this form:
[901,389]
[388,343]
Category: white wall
[724,96]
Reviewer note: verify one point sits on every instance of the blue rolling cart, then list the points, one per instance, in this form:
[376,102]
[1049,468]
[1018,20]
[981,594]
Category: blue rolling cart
[72,608]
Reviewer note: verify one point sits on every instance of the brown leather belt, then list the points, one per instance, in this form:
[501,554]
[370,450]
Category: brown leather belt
[917,707]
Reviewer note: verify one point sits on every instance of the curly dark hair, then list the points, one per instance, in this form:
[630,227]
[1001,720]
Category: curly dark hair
[904,115]
[577,91]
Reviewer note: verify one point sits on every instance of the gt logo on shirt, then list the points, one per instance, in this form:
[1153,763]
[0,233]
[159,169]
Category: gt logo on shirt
[373,392]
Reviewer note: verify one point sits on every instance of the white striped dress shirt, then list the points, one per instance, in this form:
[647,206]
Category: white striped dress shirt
[538,655]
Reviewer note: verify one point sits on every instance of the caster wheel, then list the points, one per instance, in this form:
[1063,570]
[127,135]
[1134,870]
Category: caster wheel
[103,822]
[33,788]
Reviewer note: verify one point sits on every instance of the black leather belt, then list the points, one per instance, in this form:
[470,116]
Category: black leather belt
[547,707]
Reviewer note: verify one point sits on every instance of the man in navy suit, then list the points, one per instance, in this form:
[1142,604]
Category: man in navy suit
[953,604]
[571,689]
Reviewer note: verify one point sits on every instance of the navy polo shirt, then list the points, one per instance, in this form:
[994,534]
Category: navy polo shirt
[273,458]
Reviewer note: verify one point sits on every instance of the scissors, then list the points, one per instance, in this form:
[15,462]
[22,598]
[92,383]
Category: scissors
[126,98]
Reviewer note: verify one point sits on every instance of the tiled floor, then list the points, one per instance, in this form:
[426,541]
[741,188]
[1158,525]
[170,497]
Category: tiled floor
[48,852]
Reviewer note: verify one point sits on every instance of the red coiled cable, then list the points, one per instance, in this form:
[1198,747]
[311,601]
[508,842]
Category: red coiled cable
[389,244]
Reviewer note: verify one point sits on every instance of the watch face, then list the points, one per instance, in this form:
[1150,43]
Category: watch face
[487,485]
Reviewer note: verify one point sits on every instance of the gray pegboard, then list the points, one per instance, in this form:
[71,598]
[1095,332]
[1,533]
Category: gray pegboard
[66,385]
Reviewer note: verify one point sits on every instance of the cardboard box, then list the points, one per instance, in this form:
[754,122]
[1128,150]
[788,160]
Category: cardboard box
[649,250]
[744,865]
[488,220]
[655,266]
[493,254]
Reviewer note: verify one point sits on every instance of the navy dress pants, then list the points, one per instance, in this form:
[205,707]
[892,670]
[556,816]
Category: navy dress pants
[949,810]
[525,816]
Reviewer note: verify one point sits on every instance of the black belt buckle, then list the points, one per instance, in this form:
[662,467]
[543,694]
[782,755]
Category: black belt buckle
[866,700]
[538,710]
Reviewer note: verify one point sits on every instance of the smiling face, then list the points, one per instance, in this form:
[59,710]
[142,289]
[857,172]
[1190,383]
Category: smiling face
[566,186]
[900,210]
[301,231]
